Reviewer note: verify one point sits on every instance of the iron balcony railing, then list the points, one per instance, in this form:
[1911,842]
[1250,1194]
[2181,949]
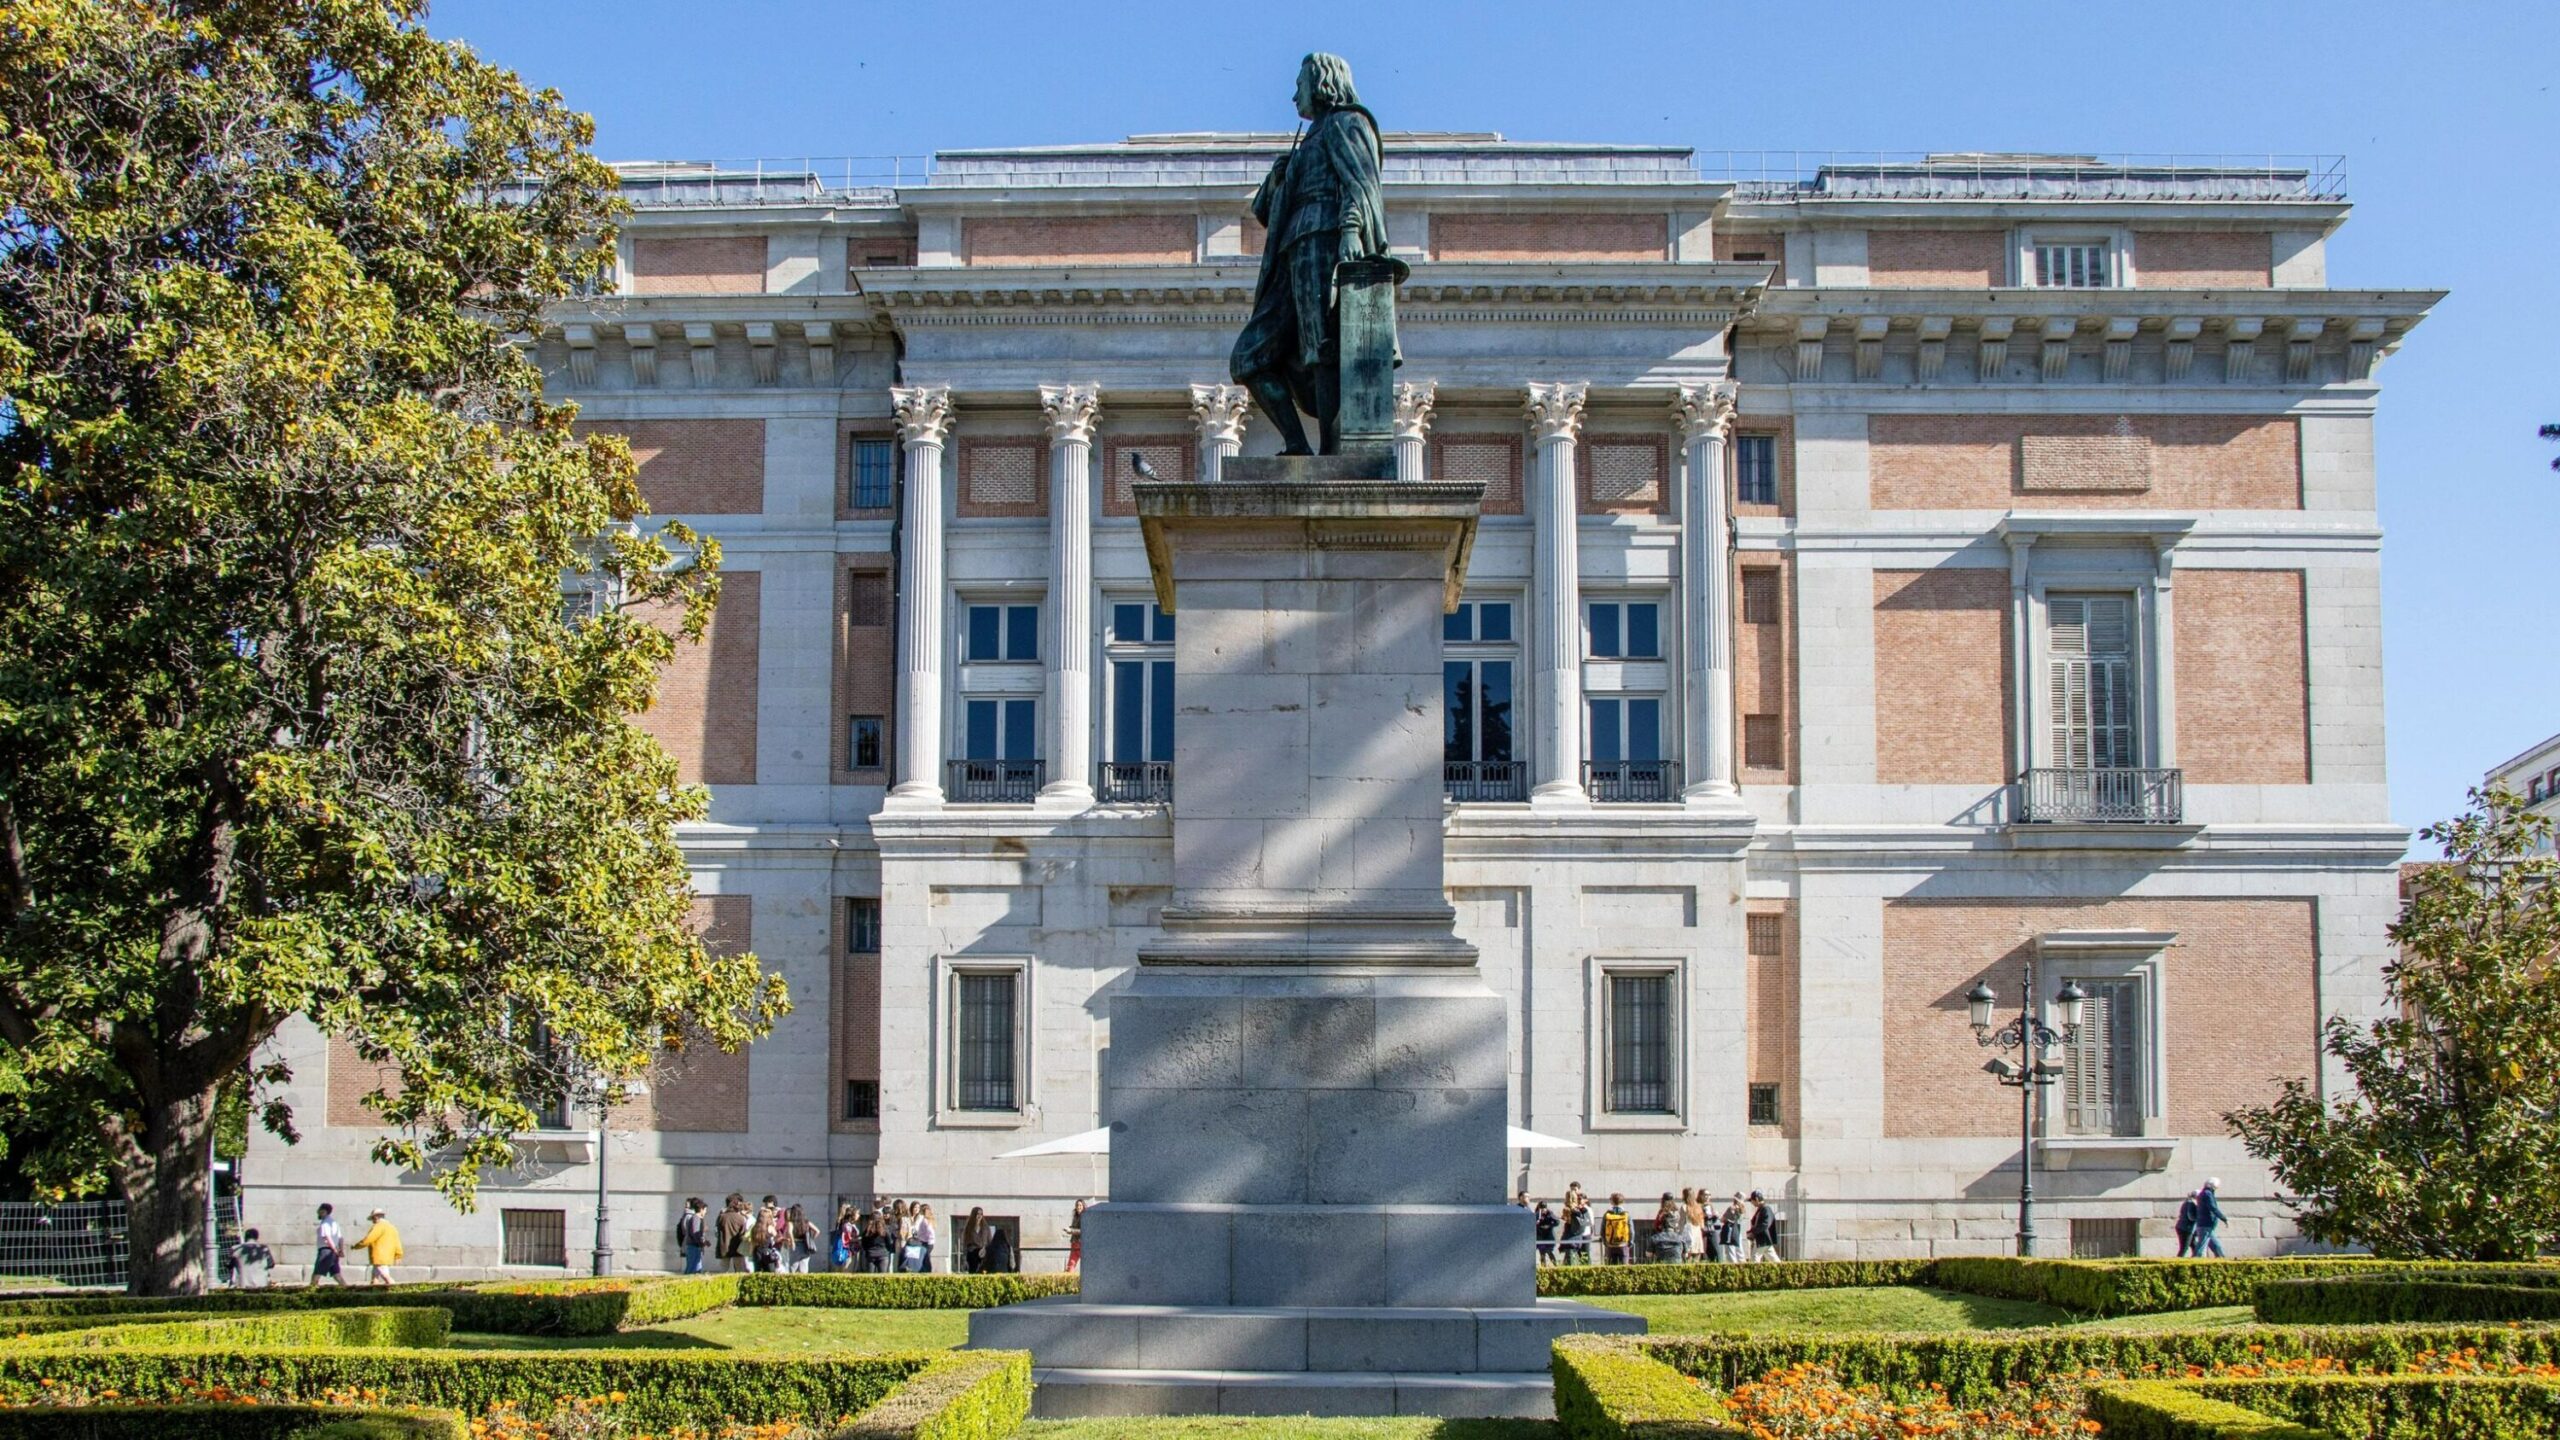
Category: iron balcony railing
[1477,782]
[997,782]
[2111,796]
[1631,782]
[1137,782]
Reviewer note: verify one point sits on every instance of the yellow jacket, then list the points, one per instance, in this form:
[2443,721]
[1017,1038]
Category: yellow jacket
[382,1242]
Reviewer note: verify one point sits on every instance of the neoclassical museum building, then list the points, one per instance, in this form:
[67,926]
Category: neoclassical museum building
[1894,576]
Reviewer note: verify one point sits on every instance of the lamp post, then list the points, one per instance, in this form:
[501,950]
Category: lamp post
[2033,1040]
[603,1257]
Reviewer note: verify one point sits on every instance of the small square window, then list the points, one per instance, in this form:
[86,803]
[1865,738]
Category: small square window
[1003,632]
[2071,264]
[866,731]
[1755,469]
[875,474]
[1765,934]
[1760,596]
[1022,632]
[1138,623]
[1493,620]
[1764,1103]
[533,1237]
[862,1099]
[1626,630]
[862,926]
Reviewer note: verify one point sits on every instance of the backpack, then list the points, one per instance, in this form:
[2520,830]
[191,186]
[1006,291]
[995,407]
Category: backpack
[1615,1228]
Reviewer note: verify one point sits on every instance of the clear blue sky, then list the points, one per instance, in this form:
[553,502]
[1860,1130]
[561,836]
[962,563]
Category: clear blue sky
[2446,113]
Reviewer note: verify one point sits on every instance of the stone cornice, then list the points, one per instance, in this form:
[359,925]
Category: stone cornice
[1854,211]
[1783,308]
[1693,292]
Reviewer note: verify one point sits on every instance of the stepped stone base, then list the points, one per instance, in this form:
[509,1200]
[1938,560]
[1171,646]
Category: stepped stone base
[1102,1359]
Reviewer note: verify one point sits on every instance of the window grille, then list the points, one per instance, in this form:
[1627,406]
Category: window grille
[986,1048]
[868,604]
[1765,934]
[1622,474]
[1492,461]
[863,746]
[534,1237]
[1764,742]
[2102,1066]
[2091,679]
[1640,1044]
[862,926]
[1761,596]
[2105,1239]
[862,1099]
[1001,477]
[875,474]
[1764,1103]
[1755,469]
[2074,264]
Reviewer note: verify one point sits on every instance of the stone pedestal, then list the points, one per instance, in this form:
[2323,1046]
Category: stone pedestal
[1306,1084]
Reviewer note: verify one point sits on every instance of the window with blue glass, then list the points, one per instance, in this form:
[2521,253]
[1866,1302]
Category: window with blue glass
[1755,469]
[1626,729]
[1001,730]
[1624,630]
[874,481]
[1002,632]
[1479,660]
[1140,655]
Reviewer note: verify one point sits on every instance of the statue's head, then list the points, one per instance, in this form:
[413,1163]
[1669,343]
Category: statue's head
[1324,83]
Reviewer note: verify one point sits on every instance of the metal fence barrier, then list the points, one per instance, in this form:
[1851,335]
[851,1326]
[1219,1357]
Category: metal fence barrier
[82,1242]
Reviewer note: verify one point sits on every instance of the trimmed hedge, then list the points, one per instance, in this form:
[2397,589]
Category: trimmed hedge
[659,1387]
[1977,1366]
[1608,1388]
[586,1307]
[2146,1287]
[228,1422]
[2396,1301]
[335,1297]
[966,1395]
[2166,1410]
[1714,1279]
[2477,1407]
[392,1327]
[900,1292]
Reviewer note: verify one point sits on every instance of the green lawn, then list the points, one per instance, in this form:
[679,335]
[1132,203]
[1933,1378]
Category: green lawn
[792,1330]
[1883,1307]
[1302,1427]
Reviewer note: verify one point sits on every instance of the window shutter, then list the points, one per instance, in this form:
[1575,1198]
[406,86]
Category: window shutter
[2086,1066]
[2091,700]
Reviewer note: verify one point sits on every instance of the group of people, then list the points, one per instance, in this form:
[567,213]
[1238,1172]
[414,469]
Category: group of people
[2199,1217]
[251,1262]
[889,1237]
[1692,1226]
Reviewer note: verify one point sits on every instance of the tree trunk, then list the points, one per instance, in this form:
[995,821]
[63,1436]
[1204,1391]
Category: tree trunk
[163,1169]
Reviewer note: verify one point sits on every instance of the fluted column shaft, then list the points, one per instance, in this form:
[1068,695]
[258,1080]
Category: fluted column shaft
[924,418]
[1070,411]
[1555,627]
[1705,413]
[1413,428]
[1219,412]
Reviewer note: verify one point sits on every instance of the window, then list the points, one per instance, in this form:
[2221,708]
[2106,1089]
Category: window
[1003,632]
[1001,730]
[2073,264]
[862,1099]
[1764,1103]
[534,1237]
[1625,630]
[1626,729]
[1764,742]
[868,604]
[1755,469]
[1476,673]
[2090,682]
[1764,934]
[1761,595]
[2102,1079]
[2107,1239]
[2534,792]
[986,1049]
[866,731]
[874,479]
[862,926]
[1140,656]
[1639,1043]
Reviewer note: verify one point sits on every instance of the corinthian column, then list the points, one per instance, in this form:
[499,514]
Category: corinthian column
[1555,413]
[1219,411]
[924,418]
[1070,411]
[1413,427]
[1705,413]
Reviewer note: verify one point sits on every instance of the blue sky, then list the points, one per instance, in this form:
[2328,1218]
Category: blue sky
[2446,113]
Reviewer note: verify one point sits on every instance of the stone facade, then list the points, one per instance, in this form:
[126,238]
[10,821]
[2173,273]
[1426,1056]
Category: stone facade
[2048,634]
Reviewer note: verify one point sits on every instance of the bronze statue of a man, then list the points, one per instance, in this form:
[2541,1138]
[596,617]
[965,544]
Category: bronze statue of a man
[1320,207]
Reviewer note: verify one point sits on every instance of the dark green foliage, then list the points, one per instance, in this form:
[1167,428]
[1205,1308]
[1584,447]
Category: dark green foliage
[227,1301]
[535,1307]
[390,1327]
[2164,1410]
[969,1395]
[228,1422]
[899,1292]
[1703,1279]
[2387,1407]
[659,1387]
[2136,1287]
[1608,1388]
[2393,1301]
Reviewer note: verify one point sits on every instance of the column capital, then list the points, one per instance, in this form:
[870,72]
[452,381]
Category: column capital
[1220,411]
[1705,411]
[1555,408]
[1414,399]
[923,411]
[1070,411]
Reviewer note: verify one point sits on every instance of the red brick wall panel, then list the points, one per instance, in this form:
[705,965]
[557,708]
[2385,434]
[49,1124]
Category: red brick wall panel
[705,714]
[709,265]
[1771,988]
[1624,474]
[1953,259]
[694,467]
[1461,236]
[1003,476]
[2243,680]
[1979,462]
[1760,248]
[1080,239]
[1174,456]
[2204,259]
[1943,677]
[697,1087]
[1764,673]
[866,664]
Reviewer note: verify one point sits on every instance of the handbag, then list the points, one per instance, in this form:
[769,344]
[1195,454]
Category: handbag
[842,1254]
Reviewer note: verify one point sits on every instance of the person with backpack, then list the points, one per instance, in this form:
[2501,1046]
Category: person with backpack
[879,1242]
[846,1250]
[1764,1229]
[1668,1241]
[1617,1232]
[1575,1246]
[1544,1219]
[692,1234]
[765,1234]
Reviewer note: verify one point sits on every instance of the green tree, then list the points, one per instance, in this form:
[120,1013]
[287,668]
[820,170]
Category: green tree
[2449,1145]
[292,722]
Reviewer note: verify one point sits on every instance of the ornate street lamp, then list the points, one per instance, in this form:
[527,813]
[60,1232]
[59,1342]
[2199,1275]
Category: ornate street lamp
[602,1092]
[2035,1067]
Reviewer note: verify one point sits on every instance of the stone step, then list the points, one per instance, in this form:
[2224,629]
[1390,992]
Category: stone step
[1066,1393]
[1064,1332]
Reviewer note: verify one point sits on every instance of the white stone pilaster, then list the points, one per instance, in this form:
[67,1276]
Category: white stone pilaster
[1219,411]
[2164,659]
[924,419]
[1705,413]
[1413,427]
[1070,411]
[1555,665]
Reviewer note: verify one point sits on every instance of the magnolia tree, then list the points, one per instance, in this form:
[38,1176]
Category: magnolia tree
[2449,1144]
[292,722]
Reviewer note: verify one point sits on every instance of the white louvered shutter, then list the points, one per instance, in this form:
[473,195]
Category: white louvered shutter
[2092,699]
[2102,1067]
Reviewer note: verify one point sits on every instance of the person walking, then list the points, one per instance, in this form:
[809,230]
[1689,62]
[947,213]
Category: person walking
[1544,1220]
[381,1246]
[1729,1230]
[2209,1218]
[2187,1224]
[845,1250]
[734,1224]
[765,1235]
[331,1248]
[692,1234]
[1617,1232]
[920,1240]
[803,1237]
[1764,1229]
[252,1263]
[1693,1222]
[1575,1247]
[973,1242]
[1075,1237]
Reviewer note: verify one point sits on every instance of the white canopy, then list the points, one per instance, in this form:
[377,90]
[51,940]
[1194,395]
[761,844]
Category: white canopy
[1098,1142]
